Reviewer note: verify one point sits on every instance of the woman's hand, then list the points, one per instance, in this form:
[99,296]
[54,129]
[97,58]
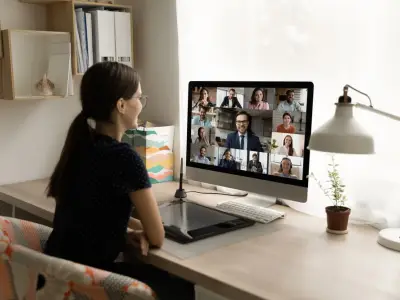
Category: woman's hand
[138,239]
[135,224]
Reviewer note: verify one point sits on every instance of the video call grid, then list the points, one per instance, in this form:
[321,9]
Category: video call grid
[259,130]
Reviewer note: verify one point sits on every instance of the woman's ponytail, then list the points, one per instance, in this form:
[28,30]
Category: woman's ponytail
[79,138]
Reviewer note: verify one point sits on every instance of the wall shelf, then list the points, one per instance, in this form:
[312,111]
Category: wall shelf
[28,55]
[61,17]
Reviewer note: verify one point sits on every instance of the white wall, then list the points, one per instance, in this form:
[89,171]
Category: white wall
[331,43]
[156,59]
[31,132]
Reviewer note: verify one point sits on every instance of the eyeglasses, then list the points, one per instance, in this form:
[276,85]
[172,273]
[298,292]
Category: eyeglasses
[241,122]
[143,100]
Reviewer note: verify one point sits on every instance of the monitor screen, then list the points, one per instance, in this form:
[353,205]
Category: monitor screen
[252,129]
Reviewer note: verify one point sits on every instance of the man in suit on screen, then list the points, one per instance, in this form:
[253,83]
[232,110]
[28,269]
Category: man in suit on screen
[243,138]
[231,101]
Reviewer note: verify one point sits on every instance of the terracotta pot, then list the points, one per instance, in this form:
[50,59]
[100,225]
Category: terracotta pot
[337,219]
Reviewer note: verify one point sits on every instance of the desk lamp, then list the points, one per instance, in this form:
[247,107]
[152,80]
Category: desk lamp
[344,134]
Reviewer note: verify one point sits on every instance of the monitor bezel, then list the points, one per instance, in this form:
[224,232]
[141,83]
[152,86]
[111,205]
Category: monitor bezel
[252,84]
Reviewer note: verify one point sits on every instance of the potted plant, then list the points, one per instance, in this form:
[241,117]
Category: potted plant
[337,214]
[273,145]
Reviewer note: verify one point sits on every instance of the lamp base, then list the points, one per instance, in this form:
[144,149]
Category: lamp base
[390,238]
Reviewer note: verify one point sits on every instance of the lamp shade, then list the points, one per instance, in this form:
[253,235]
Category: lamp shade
[342,134]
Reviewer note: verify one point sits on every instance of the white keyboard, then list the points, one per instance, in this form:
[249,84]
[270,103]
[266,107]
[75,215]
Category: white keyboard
[256,213]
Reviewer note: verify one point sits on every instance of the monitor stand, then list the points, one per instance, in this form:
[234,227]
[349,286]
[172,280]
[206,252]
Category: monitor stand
[249,198]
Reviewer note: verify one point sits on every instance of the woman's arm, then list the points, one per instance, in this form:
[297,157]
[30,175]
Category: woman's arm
[149,214]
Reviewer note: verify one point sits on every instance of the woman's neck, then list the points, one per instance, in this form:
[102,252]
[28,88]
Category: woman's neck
[109,129]
[286,126]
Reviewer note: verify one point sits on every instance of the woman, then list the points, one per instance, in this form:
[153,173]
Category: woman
[227,161]
[99,180]
[202,139]
[286,127]
[257,100]
[287,148]
[205,99]
[285,169]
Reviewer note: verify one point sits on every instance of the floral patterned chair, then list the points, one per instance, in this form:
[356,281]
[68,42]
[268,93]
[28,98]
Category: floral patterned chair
[21,260]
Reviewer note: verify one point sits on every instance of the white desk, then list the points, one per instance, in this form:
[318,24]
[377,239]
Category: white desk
[297,261]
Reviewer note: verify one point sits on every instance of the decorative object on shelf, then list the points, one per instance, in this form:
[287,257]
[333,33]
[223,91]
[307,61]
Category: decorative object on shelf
[344,134]
[337,214]
[155,146]
[40,61]
[45,86]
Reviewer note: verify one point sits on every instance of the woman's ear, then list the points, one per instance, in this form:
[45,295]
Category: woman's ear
[121,106]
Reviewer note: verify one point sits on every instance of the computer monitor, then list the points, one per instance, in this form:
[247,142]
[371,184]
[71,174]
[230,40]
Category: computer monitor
[250,136]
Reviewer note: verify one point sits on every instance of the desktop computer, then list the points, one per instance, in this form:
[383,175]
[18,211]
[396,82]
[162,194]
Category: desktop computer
[251,136]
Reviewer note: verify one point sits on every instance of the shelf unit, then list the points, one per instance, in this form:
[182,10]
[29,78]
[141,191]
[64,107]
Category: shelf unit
[26,60]
[61,17]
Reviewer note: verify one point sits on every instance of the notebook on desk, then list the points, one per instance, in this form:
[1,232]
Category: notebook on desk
[187,222]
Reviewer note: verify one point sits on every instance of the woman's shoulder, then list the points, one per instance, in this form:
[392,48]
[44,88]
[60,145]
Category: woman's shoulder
[115,151]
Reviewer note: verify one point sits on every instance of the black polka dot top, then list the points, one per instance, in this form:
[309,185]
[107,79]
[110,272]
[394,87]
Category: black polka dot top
[90,225]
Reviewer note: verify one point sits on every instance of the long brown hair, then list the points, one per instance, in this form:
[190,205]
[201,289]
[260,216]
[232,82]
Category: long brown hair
[201,94]
[290,152]
[102,86]
[253,100]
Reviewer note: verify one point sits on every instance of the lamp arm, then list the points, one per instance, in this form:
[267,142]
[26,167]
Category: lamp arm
[370,108]
[377,111]
[347,86]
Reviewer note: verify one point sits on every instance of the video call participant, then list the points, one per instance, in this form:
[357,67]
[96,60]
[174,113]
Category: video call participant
[258,100]
[202,139]
[287,148]
[286,126]
[285,169]
[290,105]
[231,101]
[243,138]
[202,118]
[227,161]
[205,99]
[255,165]
[201,157]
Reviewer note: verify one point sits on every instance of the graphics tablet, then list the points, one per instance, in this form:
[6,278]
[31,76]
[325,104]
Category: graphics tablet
[186,222]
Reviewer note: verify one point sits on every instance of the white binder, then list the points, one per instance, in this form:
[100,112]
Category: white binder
[89,35]
[123,38]
[103,27]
